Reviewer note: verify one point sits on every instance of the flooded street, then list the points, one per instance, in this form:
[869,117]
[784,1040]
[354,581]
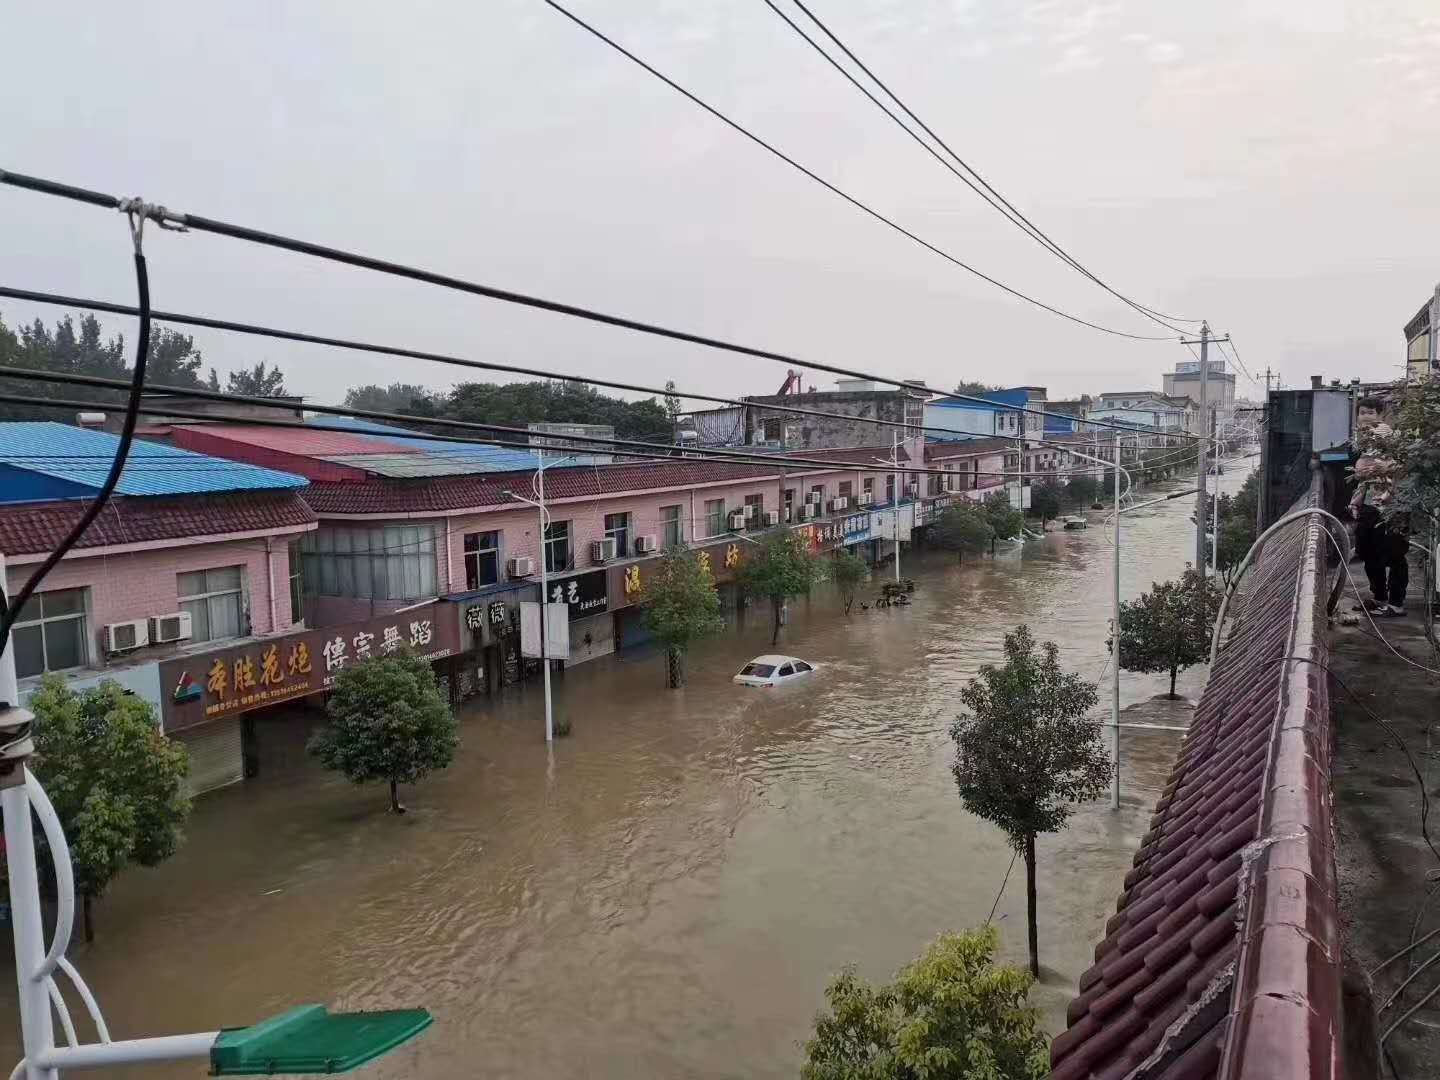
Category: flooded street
[666,892]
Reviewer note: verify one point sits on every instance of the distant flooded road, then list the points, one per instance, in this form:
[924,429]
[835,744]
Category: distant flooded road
[666,893]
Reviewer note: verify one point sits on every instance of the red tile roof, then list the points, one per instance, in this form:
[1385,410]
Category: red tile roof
[941,451]
[30,528]
[437,494]
[1225,941]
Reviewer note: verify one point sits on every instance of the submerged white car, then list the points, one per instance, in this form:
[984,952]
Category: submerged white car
[773,671]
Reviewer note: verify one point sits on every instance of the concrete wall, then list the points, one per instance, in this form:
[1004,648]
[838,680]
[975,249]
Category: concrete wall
[827,433]
[139,584]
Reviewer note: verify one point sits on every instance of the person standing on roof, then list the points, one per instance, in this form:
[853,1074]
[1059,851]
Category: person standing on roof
[1382,538]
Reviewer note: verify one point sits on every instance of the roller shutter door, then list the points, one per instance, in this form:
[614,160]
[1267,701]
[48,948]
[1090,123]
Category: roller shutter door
[215,757]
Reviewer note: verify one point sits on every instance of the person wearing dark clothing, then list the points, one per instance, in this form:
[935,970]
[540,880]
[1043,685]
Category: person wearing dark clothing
[1382,541]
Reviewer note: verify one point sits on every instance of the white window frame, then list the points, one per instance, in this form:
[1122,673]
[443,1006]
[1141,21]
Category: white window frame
[240,592]
[42,620]
[621,534]
[672,529]
[467,557]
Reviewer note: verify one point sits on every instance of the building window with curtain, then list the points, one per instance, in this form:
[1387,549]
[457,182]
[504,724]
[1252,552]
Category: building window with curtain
[482,559]
[714,517]
[557,547]
[390,562]
[757,514]
[672,529]
[50,633]
[214,602]
[617,528]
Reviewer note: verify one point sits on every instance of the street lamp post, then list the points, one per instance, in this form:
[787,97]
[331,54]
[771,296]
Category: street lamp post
[539,503]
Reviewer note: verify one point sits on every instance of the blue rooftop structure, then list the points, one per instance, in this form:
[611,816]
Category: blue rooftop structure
[44,460]
[441,456]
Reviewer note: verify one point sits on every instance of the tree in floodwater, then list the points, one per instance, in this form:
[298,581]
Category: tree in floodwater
[388,720]
[116,782]
[1045,500]
[781,567]
[1169,627]
[964,526]
[953,1014]
[1082,490]
[1006,522]
[1027,749]
[681,607]
[847,571]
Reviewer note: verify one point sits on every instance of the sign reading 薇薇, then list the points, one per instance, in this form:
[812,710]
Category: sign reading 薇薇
[231,680]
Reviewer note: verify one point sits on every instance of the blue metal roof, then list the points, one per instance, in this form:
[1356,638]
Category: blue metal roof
[76,460]
[440,456]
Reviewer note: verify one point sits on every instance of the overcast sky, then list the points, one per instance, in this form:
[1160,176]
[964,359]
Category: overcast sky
[1269,164]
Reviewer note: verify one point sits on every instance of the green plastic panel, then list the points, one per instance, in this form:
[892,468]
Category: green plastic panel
[309,1040]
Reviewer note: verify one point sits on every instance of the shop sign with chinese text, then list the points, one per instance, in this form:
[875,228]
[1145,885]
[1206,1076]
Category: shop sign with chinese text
[587,594]
[227,681]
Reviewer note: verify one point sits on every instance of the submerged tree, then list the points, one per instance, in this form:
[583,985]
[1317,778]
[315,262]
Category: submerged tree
[848,570]
[783,566]
[117,783]
[964,527]
[1169,627]
[1027,749]
[388,720]
[953,1014]
[1006,522]
[681,607]
[1045,500]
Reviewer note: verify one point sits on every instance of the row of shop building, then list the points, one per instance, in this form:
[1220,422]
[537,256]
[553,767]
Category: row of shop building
[238,568]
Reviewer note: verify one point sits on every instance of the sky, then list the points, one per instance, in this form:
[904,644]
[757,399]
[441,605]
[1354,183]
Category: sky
[1267,164]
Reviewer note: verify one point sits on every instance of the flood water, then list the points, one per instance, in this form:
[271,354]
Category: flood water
[666,892]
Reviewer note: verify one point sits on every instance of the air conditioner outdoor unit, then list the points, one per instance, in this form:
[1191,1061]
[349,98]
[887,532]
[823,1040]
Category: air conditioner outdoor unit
[867,498]
[808,511]
[124,636]
[749,511]
[737,519]
[789,514]
[911,488]
[520,566]
[839,504]
[813,497]
[772,517]
[174,627]
[602,550]
[645,544]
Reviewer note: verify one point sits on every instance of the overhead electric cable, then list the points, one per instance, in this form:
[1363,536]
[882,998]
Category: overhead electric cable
[1006,208]
[442,358]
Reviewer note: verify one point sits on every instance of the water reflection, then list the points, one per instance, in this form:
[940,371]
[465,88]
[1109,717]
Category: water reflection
[666,892]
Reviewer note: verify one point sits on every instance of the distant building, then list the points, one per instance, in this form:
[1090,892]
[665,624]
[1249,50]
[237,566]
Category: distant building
[1422,354]
[210,408]
[1076,411]
[1146,409]
[765,420]
[565,436]
[1000,413]
[1184,381]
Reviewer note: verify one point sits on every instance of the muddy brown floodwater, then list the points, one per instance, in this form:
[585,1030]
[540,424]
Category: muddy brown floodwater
[666,893]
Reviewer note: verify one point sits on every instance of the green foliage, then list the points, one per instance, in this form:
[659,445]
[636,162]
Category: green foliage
[781,566]
[117,783]
[1046,500]
[1082,490]
[673,407]
[1169,628]
[953,1014]
[1005,521]
[1236,516]
[1409,449]
[847,571]
[523,403]
[259,381]
[408,398]
[964,526]
[681,606]
[388,720]
[972,388]
[1027,749]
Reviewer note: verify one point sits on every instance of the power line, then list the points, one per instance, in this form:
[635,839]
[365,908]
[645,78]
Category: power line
[817,178]
[1007,209]
[664,453]
[485,365]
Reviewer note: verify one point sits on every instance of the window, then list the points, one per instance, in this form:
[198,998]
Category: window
[714,517]
[801,667]
[389,562]
[482,559]
[557,547]
[817,494]
[757,515]
[212,597]
[868,485]
[672,531]
[774,429]
[889,487]
[785,669]
[297,581]
[847,488]
[760,671]
[50,634]
[617,528]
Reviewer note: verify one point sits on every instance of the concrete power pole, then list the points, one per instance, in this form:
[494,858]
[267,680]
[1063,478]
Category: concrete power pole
[1202,455]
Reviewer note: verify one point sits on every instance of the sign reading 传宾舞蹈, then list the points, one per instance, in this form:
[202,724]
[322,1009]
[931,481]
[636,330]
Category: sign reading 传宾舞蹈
[231,680]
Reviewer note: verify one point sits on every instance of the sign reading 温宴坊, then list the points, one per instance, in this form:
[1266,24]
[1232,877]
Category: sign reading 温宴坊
[231,680]
[586,594]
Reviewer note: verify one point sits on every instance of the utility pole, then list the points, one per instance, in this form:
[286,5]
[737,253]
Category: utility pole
[1204,426]
[1115,637]
[544,597]
[895,457]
